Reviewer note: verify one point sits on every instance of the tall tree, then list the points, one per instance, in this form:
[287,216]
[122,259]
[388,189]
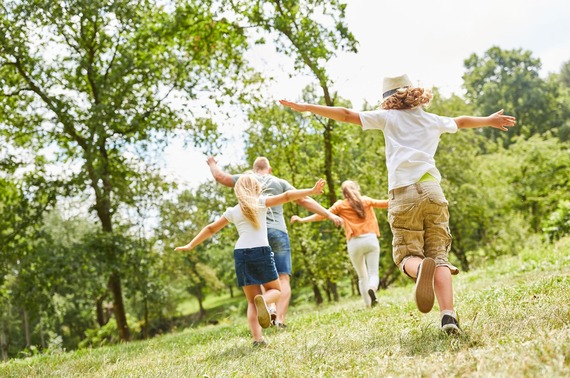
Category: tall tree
[312,32]
[510,79]
[101,80]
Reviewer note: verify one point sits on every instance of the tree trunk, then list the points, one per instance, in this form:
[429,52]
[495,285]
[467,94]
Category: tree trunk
[201,304]
[102,318]
[145,319]
[317,293]
[103,207]
[4,341]
[42,339]
[26,328]
[114,285]
[231,289]
[334,290]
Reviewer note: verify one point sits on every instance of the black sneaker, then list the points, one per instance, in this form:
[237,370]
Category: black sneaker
[260,343]
[280,325]
[450,325]
[423,291]
[373,300]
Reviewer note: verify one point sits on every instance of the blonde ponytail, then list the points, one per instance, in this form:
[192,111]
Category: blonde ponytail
[351,191]
[248,189]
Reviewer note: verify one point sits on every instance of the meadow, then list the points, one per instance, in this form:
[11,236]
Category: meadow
[514,312]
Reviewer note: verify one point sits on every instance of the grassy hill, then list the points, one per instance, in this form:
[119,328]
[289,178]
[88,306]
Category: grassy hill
[515,314]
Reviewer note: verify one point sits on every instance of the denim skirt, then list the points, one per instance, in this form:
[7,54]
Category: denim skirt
[254,266]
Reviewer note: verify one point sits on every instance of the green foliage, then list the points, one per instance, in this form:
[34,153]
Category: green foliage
[509,79]
[106,335]
[557,224]
[181,221]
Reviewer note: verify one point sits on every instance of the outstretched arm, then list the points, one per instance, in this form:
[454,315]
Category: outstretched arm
[497,120]
[310,218]
[219,175]
[206,232]
[293,195]
[379,204]
[314,207]
[333,112]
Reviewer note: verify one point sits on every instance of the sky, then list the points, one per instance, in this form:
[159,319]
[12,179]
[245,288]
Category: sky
[427,40]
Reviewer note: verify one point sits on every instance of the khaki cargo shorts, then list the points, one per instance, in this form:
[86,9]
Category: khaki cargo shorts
[419,219]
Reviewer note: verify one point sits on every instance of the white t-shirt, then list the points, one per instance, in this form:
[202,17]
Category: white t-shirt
[411,136]
[249,237]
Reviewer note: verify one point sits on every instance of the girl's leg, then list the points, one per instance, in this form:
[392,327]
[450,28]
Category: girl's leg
[272,291]
[372,262]
[357,259]
[250,292]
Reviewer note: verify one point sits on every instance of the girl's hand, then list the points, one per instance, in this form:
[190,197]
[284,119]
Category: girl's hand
[183,248]
[319,187]
[294,106]
[295,218]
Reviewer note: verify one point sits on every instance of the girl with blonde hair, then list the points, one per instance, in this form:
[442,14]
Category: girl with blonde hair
[254,263]
[361,229]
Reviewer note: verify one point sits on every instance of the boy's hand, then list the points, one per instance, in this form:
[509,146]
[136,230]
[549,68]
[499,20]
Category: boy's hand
[319,187]
[211,161]
[294,106]
[500,121]
[295,218]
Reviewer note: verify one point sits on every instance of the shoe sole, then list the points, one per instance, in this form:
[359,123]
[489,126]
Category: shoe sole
[263,316]
[424,293]
[373,300]
[451,329]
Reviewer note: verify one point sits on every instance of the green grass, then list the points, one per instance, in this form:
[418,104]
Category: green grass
[515,313]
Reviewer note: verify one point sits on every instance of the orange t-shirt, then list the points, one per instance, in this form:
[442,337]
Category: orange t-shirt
[353,224]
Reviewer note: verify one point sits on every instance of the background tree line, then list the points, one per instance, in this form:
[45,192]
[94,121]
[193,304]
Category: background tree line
[93,90]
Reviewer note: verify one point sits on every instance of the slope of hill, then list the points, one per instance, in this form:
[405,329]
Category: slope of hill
[515,314]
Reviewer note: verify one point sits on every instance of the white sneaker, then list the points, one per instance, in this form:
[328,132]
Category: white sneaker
[263,316]
[423,291]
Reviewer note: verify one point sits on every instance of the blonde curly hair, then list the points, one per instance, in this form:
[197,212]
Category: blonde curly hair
[408,98]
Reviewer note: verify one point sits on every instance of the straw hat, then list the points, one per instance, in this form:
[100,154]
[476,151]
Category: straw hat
[392,84]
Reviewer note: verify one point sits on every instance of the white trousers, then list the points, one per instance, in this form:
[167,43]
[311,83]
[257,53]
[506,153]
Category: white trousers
[364,253]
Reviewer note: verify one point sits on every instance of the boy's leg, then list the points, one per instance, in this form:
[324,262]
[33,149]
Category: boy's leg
[443,288]
[423,271]
[280,245]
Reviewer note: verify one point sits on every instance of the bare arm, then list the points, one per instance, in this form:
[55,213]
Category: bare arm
[379,204]
[496,120]
[333,112]
[219,175]
[204,234]
[310,218]
[293,195]
[314,207]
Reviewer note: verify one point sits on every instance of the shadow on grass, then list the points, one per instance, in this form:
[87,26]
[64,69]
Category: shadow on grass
[228,309]
[430,339]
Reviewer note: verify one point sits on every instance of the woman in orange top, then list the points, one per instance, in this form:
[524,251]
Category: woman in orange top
[362,233]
